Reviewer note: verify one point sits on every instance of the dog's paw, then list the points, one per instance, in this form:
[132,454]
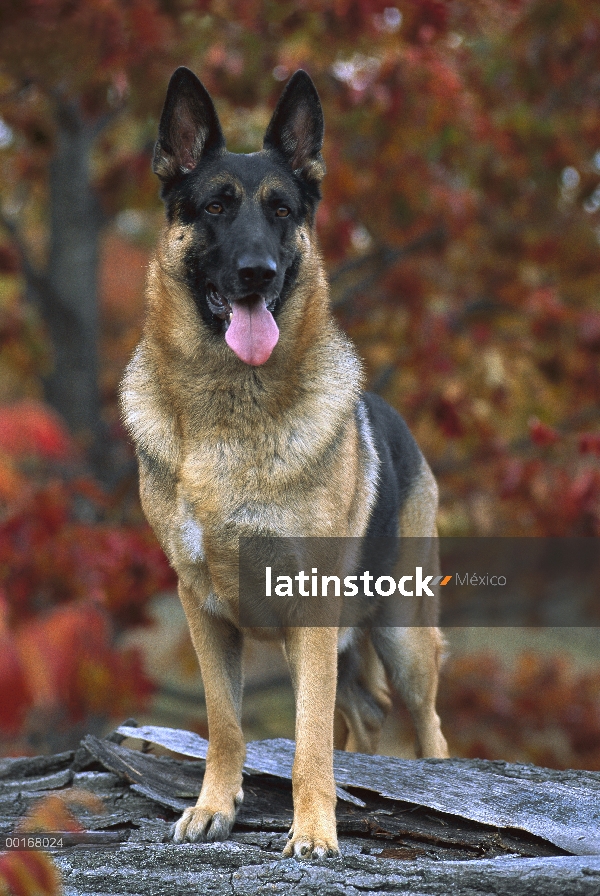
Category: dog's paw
[203,823]
[311,846]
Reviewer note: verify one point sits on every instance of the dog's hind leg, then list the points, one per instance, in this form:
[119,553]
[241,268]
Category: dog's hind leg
[218,645]
[362,701]
[412,654]
[412,658]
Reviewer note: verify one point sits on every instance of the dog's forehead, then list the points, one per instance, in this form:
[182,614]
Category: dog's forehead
[249,173]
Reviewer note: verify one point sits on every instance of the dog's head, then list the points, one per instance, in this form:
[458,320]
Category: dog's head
[243,217]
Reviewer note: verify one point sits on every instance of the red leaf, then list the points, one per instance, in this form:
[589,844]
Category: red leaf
[541,434]
[589,329]
[15,696]
[9,260]
[589,443]
[448,419]
[73,666]
[31,428]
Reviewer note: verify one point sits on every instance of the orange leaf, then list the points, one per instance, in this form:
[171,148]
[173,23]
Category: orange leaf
[29,873]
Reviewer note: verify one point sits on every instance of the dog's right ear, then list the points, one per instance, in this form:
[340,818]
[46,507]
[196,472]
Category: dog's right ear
[189,126]
[296,128]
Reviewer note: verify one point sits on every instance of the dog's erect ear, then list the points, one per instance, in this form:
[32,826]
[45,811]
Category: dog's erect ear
[296,128]
[189,126]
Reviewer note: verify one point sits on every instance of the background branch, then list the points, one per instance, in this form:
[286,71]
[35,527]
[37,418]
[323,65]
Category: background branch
[358,275]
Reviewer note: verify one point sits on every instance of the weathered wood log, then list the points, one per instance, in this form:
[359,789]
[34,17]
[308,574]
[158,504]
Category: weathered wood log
[405,826]
[500,794]
[239,869]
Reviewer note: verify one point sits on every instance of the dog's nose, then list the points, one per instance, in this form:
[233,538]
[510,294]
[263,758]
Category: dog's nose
[256,272]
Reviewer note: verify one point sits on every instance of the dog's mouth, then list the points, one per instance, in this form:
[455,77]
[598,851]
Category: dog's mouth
[250,328]
[219,306]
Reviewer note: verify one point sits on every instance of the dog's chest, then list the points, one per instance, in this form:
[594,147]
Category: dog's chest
[193,528]
[221,504]
[230,491]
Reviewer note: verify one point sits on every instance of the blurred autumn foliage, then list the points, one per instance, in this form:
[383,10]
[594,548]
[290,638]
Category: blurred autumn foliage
[540,710]
[72,580]
[32,872]
[460,224]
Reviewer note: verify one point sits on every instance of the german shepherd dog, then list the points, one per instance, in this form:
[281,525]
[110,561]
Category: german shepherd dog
[244,402]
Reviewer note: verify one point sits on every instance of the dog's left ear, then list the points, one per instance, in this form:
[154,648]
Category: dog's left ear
[296,128]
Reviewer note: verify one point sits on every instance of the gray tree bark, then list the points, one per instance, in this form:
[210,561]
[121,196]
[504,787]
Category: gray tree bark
[69,303]
[65,291]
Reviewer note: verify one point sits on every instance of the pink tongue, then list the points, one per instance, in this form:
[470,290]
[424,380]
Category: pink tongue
[252,333]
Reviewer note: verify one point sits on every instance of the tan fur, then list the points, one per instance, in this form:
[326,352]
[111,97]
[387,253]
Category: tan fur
[202,487]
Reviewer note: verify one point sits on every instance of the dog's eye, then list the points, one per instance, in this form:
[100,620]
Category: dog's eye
[282,212]
[214,208]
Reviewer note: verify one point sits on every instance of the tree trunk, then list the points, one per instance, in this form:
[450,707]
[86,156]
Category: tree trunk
[70,301]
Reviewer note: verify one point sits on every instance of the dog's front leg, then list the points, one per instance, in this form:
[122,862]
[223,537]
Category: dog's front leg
[312,656]
[219,648]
